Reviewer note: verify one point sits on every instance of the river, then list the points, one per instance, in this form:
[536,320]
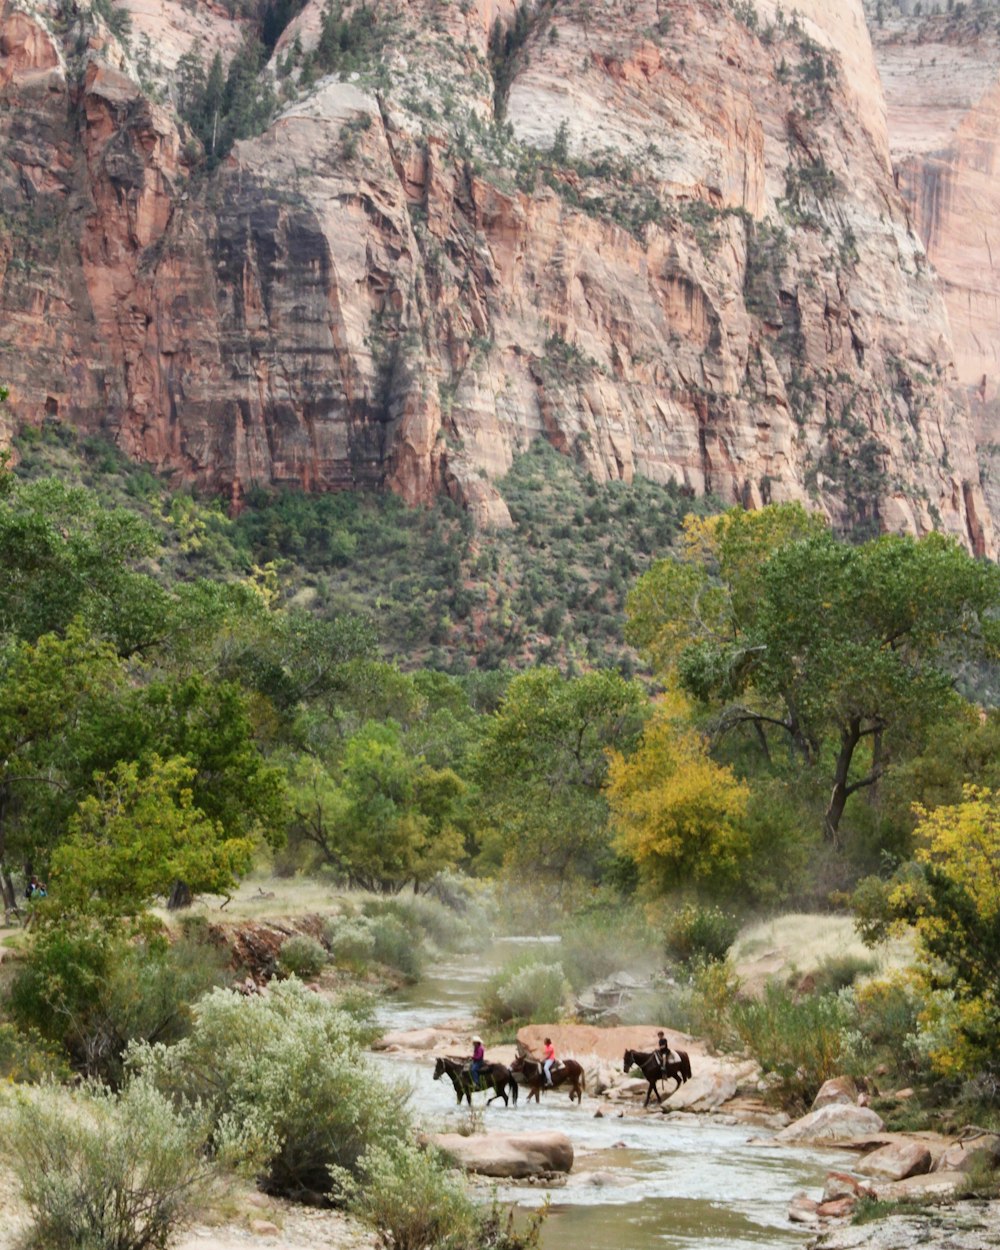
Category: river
[637,1183]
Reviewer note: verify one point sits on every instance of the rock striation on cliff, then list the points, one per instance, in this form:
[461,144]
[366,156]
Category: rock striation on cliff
[941,75]
[663,236]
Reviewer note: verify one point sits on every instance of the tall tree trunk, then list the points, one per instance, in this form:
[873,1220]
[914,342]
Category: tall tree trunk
[7,889]
[849,739]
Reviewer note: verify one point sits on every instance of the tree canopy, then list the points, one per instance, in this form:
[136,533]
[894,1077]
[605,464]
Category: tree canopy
[846,652]
[541,768]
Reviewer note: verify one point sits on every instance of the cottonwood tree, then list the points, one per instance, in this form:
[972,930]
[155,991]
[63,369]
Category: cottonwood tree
[679,815]
[139,833]
[846,652]
[380,816]
[541,768]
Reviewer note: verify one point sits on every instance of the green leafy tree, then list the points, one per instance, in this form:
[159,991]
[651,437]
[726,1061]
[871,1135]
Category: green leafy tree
[67,555]
[52,693]
[541,769]
[380,816]
[679,815]
[128,843]
[846,652]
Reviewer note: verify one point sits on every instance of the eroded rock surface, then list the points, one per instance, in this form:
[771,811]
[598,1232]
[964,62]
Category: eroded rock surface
[966,1226]
[685,258]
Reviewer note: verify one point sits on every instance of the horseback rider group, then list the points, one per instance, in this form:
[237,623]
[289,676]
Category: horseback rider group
[468,1075]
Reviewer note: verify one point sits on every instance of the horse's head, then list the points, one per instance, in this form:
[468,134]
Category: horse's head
[439,1069]
[629,1061]
[517,1063]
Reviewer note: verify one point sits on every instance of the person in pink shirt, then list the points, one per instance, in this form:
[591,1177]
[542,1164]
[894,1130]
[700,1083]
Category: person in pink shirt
[548,1059]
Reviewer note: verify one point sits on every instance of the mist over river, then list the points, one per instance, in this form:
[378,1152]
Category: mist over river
[637,1182]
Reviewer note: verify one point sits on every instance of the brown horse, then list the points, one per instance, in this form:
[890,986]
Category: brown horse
[653,1071]
[531,1073]
[491,1076]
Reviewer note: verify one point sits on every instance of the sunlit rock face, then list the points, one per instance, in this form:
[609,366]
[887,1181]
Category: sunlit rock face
[682,254]
[942,83]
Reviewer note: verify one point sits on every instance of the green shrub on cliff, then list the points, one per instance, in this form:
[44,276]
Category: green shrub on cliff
[302,956]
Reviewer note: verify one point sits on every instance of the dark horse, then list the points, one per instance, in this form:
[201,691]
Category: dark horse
[532,1074]
[491,1076]
[651,1069]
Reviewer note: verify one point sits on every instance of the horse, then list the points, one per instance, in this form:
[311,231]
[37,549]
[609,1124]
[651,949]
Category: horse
[652,1070]
[491,1076]
[531,1072]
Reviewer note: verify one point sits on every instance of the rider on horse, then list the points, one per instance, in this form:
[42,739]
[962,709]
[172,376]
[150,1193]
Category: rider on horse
[662,1049]
[478,1057]
[548,1061]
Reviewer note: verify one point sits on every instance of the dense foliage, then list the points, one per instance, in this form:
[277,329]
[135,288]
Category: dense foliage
[344,687]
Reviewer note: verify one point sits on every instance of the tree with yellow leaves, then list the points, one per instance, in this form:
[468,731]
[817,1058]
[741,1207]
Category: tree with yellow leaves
[950,894]
[678,814]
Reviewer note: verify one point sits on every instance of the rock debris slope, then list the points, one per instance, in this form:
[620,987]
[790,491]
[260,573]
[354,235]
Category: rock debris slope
[665,236]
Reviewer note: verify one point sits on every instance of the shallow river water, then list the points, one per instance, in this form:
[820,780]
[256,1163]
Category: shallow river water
[637,1184]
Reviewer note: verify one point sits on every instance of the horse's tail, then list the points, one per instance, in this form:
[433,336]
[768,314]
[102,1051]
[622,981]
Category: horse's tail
[685,1065]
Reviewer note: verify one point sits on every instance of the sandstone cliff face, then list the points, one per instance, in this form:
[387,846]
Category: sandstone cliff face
[682,255]
[942,85]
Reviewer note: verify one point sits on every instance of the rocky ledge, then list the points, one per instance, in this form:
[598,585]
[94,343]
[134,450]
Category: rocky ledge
[973,1225]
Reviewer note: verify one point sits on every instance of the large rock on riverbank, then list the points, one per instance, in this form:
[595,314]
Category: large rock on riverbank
[832,1123]
[511,1156]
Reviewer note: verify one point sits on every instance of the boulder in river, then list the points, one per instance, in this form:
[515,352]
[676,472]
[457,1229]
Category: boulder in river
[832,1123]
[417,1039]
[920,1188]
[705,1091]
[508,1155]
[803,1210]
[843,1185]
